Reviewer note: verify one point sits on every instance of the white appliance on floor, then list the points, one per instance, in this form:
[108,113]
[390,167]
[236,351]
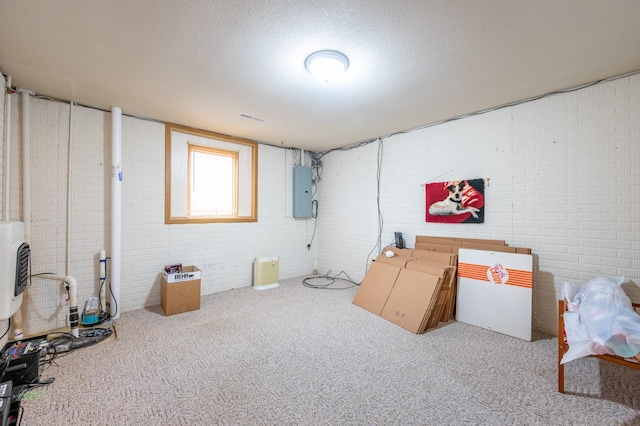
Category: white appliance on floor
[266,272]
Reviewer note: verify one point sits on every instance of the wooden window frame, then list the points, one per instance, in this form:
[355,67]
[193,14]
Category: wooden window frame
[233,155]
[178,139]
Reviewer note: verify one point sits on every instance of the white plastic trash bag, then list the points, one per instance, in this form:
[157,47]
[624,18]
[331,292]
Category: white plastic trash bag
[600,320]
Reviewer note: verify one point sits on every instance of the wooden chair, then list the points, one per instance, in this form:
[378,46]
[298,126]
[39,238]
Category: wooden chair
[563,347]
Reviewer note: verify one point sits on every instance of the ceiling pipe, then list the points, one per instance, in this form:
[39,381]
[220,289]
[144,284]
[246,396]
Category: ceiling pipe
[116,209]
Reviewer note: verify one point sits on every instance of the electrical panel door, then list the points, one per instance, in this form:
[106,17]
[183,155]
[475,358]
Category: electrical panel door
[302,191]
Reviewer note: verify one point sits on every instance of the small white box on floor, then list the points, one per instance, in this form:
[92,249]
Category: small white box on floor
[266,272]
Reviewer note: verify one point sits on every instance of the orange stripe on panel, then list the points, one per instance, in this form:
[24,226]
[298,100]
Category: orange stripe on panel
[472,271]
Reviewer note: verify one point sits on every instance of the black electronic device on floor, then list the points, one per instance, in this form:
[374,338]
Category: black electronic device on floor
[23,361]
[5,400]
[20,370]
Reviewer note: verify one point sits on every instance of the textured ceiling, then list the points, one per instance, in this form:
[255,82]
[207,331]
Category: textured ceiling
[203,63]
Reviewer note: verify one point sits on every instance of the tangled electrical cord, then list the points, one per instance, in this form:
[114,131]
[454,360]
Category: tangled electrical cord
[332,280]
[67,342]
[22,383]
[50,350]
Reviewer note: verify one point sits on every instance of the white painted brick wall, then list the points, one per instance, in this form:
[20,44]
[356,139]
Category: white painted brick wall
[224,252]
[347,211]
[2,130]
[48,208]
[3,323]
[564,181]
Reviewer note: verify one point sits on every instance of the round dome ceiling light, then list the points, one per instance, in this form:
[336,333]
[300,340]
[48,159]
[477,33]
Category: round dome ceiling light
[326,65]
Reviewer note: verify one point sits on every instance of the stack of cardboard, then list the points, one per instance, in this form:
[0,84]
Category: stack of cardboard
[416,288]
[410,289]
[451,245]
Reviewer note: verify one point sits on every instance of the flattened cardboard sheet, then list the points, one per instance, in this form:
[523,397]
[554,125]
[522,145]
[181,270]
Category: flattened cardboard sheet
[445,258]
[408,253]
[488,247]
[437,247]
[398,261]
[412,299]
[445,295]
[455,241]
[376,287]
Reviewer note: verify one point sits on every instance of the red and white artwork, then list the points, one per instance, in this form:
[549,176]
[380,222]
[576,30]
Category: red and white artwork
[460,201]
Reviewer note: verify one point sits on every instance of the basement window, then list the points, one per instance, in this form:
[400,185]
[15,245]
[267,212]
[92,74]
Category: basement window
[209,177]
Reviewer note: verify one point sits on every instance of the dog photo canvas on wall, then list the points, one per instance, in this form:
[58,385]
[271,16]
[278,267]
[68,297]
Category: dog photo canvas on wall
[460,201]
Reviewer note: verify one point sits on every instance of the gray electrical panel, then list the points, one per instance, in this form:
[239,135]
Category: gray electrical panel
[302,191]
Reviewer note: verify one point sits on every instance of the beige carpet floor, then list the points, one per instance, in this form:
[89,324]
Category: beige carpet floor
[299,356]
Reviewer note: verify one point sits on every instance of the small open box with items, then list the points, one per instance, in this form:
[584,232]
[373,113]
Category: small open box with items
[180,289]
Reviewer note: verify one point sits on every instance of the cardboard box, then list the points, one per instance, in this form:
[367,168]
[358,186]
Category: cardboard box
[182,292]
[188,273]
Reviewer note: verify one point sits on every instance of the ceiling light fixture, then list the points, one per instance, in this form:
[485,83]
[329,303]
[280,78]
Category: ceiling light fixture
[326,65]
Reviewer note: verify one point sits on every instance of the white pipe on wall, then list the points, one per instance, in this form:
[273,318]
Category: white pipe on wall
[26,165]
[73,299]
[16,319]
[5,162]
[7,151]
[103,279]
[116,209]
[69,187]
[26,191]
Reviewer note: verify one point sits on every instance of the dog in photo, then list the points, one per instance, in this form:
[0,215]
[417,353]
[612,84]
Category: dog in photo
[461,194]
